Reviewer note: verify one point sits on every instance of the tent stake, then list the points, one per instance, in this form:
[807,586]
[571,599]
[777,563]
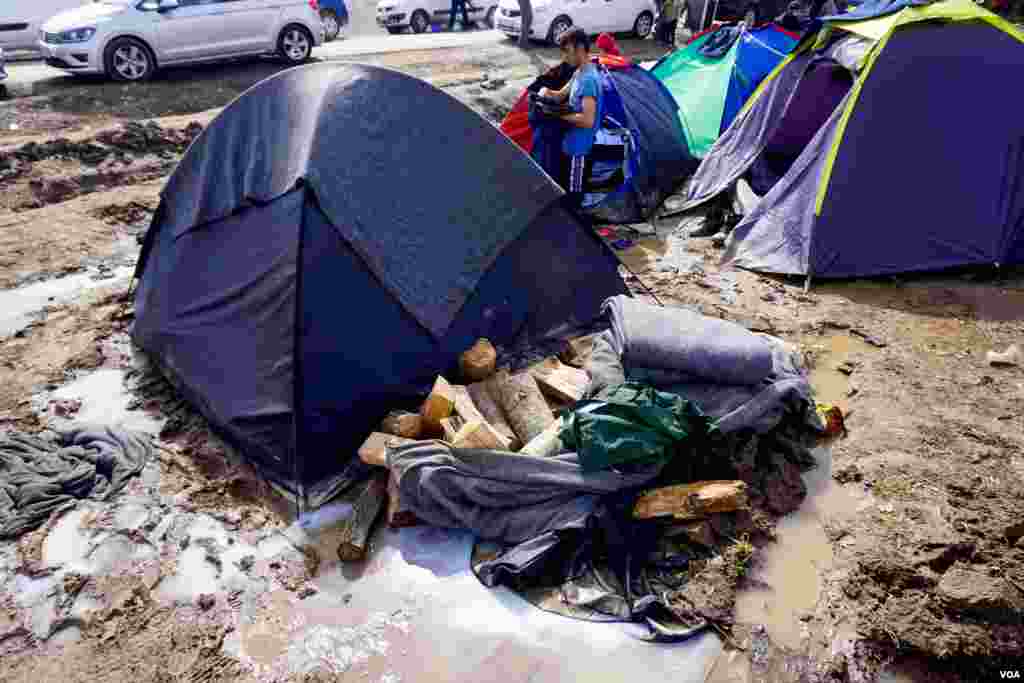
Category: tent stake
[807,283]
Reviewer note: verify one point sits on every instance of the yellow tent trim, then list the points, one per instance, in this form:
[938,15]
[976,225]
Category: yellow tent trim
[874,28]
[951,10]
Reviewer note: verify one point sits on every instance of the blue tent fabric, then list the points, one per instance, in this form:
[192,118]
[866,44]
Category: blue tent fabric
[760,50]
[659,157]
[875,8]
[951,180]
[269,311]
[940,190]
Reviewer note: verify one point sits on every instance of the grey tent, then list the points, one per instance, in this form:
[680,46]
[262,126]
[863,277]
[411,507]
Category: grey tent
[334,240]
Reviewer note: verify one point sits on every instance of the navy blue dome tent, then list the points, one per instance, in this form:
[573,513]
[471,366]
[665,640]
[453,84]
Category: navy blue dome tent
[335,239]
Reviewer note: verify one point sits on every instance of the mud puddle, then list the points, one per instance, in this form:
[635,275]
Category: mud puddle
[416,612]
[20,306]
[787,581]
[667,252]
[101,397]
[836,358]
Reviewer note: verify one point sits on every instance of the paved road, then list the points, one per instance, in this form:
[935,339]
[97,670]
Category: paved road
[23,76]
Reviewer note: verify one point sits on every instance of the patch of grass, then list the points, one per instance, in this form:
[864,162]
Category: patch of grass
[740,555]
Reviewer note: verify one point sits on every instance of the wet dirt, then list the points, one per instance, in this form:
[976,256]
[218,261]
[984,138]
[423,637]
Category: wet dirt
[903,555]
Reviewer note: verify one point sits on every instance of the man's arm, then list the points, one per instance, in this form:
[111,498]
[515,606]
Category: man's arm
[558,95]
[585,118]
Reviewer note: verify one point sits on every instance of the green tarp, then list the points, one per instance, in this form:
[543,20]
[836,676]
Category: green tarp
[631,422]
[699,85]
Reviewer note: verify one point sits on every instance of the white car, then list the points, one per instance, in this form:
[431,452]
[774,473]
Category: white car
[552,18]
[20,20]
[418,15]
[128,40]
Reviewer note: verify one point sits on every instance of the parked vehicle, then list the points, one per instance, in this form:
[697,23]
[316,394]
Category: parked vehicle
[3,71]
[418,15]
[693,12]
[128,40]
[552,18]
[20,20]
[334,15]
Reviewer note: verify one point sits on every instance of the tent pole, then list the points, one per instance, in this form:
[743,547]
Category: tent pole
[807,283]
[715,14]
[704,14]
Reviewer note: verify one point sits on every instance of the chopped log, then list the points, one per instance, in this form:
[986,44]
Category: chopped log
[478,435]
[547,443]
[451,426]
[560,381]
[367,500]
[467,410]
[374,449]
[439,405]
[520,399]
[577,351]
[477,363]
[692,501]
[485,401]
[403,423]
[398,516]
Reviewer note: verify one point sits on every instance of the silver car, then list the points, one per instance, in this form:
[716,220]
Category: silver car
[128,40]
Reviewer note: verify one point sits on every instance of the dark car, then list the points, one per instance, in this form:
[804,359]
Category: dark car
[334,15]
[697,15]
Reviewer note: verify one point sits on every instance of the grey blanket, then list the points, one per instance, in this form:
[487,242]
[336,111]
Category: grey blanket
[734,402]
[39,475]
[500,495]
[697,347]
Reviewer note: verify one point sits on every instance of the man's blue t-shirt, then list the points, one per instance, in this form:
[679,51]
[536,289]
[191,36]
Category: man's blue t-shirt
[586,83]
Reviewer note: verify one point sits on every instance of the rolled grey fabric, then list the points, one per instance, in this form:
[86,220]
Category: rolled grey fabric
[678,339]
[499,495]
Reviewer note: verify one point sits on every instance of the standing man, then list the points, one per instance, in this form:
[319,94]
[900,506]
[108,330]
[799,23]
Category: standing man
[456,6]
[584,95]
[668,18]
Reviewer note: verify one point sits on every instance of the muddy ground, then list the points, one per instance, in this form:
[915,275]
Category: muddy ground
[906,560]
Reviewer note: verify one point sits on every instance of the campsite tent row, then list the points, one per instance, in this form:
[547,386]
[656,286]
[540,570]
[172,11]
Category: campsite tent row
[889,141]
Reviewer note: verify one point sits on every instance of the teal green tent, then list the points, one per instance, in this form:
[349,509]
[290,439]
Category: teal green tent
[714,76]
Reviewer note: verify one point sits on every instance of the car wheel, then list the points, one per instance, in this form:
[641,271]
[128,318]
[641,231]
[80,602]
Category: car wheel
[489,19]
[559,26]
[643,25]
[420,22]
[750,16]
[332,27]
[128,59]
[295,45]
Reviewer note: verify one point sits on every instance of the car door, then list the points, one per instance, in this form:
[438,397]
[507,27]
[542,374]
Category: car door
[593,16]
[205,29]
[622,14]
[253,23]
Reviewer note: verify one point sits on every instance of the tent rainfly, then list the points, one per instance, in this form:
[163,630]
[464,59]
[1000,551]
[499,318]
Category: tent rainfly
[887,142]
[335,239]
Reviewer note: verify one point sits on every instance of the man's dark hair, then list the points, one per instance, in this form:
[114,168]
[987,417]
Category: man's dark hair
[576,37]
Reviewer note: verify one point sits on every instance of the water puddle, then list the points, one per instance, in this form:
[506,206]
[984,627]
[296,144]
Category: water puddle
[791,568]
[832,352]
[18,307]
[105,400]
[416,612]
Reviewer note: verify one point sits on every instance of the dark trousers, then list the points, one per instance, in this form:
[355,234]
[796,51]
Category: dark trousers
[456,6]
[666,31]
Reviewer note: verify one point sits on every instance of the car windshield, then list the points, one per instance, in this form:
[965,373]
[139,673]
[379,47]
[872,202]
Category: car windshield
[117,2]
